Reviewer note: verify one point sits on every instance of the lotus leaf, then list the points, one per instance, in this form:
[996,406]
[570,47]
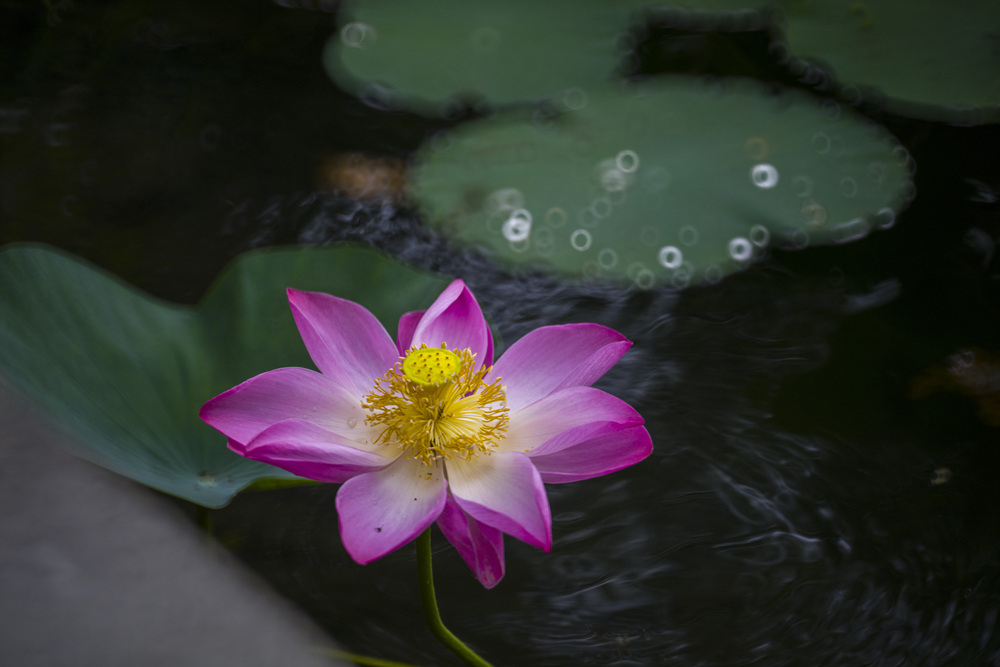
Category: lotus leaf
[675,182]
[423,55]
[935,62]
[126,373]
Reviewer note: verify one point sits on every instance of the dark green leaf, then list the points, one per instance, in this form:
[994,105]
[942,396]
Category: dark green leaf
[677,182]
[127,374]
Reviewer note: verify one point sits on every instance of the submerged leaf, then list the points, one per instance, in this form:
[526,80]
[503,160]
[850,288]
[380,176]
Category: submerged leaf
[676,182]
[126,373]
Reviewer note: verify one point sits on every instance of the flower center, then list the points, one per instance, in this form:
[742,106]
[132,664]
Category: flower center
[434,404]
[431,365]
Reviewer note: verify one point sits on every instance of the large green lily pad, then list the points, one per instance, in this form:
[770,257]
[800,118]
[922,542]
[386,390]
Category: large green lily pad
[931,61]
[126,373]
[677,182]
[934,61]
[423,55]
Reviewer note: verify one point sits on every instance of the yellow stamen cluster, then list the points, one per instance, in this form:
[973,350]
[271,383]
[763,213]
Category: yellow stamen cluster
[435,404]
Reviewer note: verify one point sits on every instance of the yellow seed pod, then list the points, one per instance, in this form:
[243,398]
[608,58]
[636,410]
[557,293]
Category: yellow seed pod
[431,365]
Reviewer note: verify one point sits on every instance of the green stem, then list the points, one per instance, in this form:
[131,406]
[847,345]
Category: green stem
[429,602]
[362,659]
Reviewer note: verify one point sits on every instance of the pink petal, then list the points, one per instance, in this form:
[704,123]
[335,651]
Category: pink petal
[552,358]
[565,418]
[595,457]
[236,446]
[503,490]
[345,341]
[286,393]
[306,450]
[480,546]
[381,511]
[407,325]
[456,320]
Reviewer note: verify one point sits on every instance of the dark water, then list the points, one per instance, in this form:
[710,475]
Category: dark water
[823,490]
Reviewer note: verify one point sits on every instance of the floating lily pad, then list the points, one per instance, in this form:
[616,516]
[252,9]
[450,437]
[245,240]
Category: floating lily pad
[677,183]
[126,373]
[940,62]
[937,62]
[423,55]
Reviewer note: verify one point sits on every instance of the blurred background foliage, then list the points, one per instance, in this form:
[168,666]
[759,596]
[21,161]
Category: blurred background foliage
[440,52]
[532,198]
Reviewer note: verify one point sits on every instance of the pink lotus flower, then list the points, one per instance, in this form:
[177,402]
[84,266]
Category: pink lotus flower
[429,429]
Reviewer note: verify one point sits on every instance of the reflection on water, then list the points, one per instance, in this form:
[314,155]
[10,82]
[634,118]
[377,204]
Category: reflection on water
[803,505]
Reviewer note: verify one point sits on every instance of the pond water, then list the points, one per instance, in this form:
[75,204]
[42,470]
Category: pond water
[823,484]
